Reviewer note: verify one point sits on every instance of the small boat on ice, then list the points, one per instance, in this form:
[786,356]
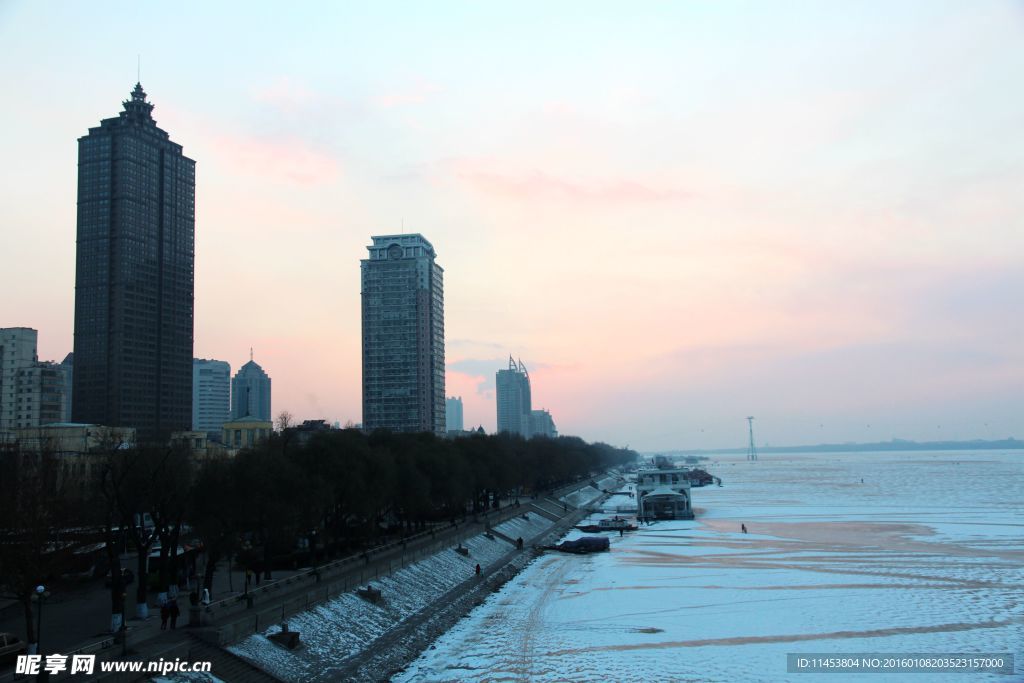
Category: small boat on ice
[581,546]
[609,524]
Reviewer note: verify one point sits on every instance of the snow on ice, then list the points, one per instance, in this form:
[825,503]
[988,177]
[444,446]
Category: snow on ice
[926,555]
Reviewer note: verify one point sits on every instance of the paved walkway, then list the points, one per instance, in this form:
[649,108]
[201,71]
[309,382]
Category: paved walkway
[79,615]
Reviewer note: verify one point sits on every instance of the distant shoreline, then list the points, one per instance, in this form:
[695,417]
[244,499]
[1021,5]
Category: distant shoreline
[894,445]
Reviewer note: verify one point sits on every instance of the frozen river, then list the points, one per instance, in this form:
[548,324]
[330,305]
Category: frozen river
[925,556]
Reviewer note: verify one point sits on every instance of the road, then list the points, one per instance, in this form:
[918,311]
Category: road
[81,615]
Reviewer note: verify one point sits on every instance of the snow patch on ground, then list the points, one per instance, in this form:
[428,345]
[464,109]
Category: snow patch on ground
[526,529]
[345,625]
[588,494]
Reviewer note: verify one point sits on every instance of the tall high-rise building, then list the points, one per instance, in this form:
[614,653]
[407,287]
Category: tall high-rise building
[211,395]
[453,413]
[542,424]
[67,367]
[31,392]
[17,352]
[514,401]
[134,277]
[403,336]
[250,393]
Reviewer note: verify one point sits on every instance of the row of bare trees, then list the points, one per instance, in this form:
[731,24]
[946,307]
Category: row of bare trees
[54,506]
[335,493]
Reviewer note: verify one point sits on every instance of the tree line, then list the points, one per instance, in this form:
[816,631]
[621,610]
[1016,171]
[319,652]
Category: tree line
[289,500]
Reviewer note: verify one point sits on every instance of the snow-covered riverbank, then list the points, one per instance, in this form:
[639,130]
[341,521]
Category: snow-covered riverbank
[344,627]
[926,555]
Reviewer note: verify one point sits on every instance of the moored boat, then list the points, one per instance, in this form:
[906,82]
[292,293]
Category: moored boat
[581,546]
[610,524]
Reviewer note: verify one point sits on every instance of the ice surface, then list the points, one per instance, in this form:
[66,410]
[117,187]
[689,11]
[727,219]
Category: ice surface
[926,555]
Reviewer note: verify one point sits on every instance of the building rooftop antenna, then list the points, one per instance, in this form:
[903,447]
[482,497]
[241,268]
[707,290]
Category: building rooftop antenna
[250,354]
[751,449]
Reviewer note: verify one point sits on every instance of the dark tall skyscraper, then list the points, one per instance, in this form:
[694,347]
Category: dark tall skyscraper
[134,278]
[403,336]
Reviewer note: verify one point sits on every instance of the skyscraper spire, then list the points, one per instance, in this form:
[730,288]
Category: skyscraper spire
[137,107]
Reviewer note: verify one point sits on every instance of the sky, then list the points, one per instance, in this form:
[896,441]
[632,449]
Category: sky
[677,214]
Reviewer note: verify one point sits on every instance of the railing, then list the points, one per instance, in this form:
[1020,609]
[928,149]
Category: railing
[354,570]
[264,619]
[316,573]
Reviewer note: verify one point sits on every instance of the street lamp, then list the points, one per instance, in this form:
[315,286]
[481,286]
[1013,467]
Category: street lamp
[124,625]
[40,597]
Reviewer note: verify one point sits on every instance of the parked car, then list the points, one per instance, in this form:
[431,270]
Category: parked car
[127,576]
[10,647]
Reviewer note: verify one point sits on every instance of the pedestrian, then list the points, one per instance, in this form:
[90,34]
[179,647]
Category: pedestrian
[206,596]
[620,533]
[743,527]
[173,610]
[478,569]
[165,612]
[248,579]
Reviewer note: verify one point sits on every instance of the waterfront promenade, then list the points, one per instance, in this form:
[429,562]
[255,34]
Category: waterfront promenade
[227,620]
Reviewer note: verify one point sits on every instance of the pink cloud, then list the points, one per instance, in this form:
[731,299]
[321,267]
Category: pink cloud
[288,157]
[538,185]
[420,92]
[275,157]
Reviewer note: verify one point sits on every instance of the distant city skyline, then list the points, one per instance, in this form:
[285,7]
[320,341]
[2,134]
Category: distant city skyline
[686,213]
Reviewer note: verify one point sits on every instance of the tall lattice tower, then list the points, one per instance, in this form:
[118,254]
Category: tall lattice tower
[751,449]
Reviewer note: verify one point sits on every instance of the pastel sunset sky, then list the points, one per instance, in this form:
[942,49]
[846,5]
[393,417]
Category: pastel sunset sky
[677,214]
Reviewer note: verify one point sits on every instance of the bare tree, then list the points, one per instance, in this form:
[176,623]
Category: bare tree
[31,514]
[171,496]
[284,420]
[214,510]
[144,490]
